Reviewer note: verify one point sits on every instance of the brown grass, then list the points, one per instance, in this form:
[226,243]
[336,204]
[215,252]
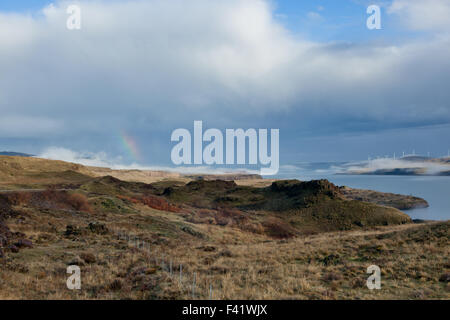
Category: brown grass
[241,254]
[50,198]
[237,264]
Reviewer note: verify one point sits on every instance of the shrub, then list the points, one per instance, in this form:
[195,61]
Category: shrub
[54,199]
[278,229]
[19,198]
[79,202]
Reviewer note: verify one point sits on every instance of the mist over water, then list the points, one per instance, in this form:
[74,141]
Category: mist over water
[434,189]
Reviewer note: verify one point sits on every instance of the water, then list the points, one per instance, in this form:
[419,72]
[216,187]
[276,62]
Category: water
[434,189]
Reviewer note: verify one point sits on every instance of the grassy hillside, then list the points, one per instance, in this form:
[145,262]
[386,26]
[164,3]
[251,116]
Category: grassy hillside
[303,206]
[127,254]
[287,239]
[20,172]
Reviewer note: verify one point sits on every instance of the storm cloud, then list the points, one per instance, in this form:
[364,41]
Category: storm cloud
[152,66]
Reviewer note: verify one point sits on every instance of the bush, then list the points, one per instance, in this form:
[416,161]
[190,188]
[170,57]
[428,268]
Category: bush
[55,199]
[19,198]
[278,229]
[79,202]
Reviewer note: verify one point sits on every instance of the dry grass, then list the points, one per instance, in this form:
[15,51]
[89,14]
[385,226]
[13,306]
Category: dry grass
[237,264]
[238,253]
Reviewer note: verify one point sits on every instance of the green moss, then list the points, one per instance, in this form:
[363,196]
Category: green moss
[110,204]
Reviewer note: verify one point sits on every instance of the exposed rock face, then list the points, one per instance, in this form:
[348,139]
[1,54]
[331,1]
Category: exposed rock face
[72,230]
[296,187]
[98,228]
[219,184]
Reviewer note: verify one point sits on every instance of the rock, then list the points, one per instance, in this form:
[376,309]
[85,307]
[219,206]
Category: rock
[331,259]
[99,228]
[296,187]
[77,261]
[445,277]
[225,253]
[192,232]
[13,248]
[72,230]
[24,243]
[88,257]
[207,248]
[359,223]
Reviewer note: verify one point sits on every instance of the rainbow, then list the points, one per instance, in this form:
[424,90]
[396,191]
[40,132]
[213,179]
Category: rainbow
[130,145]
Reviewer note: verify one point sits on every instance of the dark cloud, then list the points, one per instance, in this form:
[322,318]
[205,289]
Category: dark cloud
[150,67]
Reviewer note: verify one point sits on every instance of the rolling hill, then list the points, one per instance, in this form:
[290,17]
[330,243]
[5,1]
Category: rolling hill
[273,240]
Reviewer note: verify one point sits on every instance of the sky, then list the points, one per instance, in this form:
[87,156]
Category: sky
[137,70]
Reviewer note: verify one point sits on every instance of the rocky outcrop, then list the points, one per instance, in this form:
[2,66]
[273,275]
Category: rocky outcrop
[398,201]
[98,228]
[295,188]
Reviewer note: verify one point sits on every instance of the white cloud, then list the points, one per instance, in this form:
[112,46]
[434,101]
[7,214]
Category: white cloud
[101,159]
[139,64]
[423,15]
[390,164]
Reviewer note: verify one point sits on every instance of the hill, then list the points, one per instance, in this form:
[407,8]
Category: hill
[272,240]
[18,172]
[287,207]
[16,154]
[402,202]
